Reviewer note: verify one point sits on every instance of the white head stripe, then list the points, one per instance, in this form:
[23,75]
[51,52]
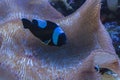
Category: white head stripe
[42,23]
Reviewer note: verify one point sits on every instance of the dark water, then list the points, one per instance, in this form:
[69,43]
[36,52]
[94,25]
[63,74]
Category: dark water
[111,19]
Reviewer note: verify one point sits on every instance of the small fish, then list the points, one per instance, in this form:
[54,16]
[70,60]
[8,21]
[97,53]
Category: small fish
[48,32]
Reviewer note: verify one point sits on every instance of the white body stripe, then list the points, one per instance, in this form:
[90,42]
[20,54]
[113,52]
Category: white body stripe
[56,34]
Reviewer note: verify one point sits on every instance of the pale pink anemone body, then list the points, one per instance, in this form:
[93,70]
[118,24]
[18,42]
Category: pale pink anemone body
[24,57]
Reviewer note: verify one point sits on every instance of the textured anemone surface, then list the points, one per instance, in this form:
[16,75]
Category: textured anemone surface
[24,57]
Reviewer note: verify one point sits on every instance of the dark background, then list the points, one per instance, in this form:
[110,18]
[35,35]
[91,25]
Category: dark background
[110,19]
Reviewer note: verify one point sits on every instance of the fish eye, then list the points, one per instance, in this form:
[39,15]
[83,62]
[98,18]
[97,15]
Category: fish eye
[97,68]
[107,73]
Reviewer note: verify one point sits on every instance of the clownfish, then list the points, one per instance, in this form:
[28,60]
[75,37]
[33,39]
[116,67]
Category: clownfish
[48,32]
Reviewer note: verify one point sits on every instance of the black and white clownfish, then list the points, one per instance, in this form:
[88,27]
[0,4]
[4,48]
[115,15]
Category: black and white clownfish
[48,32]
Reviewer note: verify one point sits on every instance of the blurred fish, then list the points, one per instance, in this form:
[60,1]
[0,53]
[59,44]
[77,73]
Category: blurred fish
[24,56]
[48,32]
